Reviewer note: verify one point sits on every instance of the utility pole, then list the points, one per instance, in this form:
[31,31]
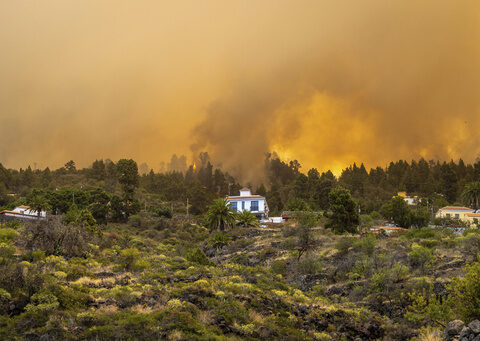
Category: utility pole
[359,227]
[187,207]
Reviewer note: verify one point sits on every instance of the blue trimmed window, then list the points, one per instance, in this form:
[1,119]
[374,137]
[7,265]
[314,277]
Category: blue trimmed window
[254,206]
[234,205]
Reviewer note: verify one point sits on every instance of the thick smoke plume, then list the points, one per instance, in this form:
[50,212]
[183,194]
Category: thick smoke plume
[377,81]
[326,82]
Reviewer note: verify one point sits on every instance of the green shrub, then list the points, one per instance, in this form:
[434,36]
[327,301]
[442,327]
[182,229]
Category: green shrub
[360,269]
[219,240]
[7,234]
[124,295]
[164,211]
[279,267]
[429,243]
[266,253]
[128,258]
[135,221]
[42,302]
[471,244]
[344,244]
[5,298]
[13,224]
[366,244]
[289,243]
[383,280]
[197,256]
[36,256]
[366,221]
[7,250]
[420,257]
[69,298]
[375,215]
[466,293]
[297,204]
[426,306]
[417,233]
[242,259]
[309,266]
[141,264]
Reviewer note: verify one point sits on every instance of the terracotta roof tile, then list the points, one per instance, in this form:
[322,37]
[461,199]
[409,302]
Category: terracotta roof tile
[456,208]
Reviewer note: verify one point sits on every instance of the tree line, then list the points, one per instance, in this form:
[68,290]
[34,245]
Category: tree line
[284,183]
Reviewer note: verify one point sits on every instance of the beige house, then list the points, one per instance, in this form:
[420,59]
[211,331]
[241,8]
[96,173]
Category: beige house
[464,214]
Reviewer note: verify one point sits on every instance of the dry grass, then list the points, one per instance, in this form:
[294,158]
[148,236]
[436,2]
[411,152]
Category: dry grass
[175,335]
[205,317]
[256,317]
[143,309]
[106,282]
[108,309]
[430,335]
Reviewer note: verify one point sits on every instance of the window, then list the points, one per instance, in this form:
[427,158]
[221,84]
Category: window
[475,220]
[254,206]
[448,215]
[234,205]
[243,205]
[457,216]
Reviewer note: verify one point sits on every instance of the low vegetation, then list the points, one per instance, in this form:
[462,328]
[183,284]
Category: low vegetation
[122,256]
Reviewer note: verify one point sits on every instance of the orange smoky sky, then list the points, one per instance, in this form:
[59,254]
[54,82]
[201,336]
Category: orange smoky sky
[326,82]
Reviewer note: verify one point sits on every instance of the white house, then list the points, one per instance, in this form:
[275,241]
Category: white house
[24,212]
[409,200]
[247,201]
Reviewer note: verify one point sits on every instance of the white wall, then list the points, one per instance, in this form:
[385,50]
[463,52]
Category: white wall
[248,203]
[26,211]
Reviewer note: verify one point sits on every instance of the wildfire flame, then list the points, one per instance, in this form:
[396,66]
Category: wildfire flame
[194,166]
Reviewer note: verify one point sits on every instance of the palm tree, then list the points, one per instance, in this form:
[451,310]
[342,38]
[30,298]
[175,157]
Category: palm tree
[38,203]
[471,194]
[220,214]
[246,218]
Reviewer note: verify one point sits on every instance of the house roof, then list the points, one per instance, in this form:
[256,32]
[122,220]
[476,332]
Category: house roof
[245,197]
[245,189]
[23,206]
[473,214]
[13,212]
[456,208]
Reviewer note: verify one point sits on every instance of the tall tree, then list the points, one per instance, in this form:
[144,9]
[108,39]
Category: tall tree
[471,194]
[70,166]
[128,178]
[398,211]
[344,216]
[448,182]
[98,171]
